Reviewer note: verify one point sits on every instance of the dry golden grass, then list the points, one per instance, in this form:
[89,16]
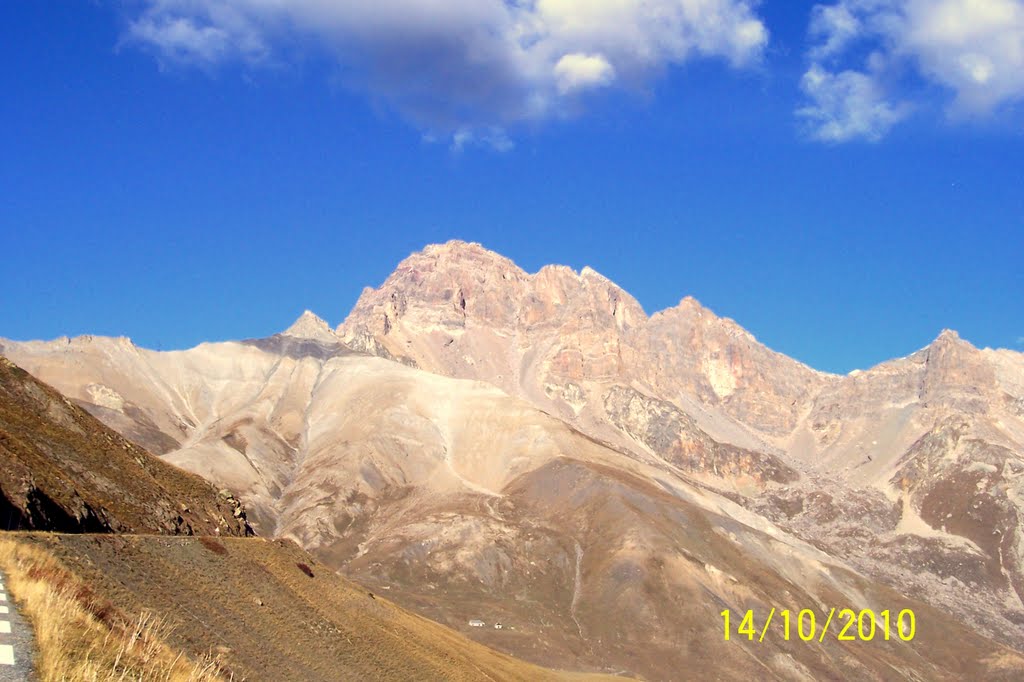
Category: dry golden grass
[81,637]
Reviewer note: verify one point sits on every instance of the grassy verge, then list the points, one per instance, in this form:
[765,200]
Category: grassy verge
[81,637]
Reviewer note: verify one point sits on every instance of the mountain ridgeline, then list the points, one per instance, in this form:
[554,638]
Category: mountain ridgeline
[484,444]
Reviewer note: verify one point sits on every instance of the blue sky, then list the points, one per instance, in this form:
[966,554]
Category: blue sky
[844,180]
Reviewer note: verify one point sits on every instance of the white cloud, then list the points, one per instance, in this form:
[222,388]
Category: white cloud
[461,65]
[181,38]
[973,49]
[493,137]
[846,105]
[836,26]
[195,38]
[578,71]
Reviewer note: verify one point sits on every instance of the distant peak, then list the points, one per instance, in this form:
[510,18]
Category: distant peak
[691,304]
[310,316]
[311,326]
[948,338]
[589,273]
[947,343]
[453,245]
[458,247]
[457,252]
[457,260]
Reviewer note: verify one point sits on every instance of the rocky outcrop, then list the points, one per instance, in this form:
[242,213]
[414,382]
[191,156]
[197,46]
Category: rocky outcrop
[31,508]
[674,436]
[962,485]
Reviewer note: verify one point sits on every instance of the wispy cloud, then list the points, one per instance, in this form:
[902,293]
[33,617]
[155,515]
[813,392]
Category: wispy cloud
[972,49]
[461,68]
[847,105]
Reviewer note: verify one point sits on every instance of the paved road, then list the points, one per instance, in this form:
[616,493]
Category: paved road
[16,646]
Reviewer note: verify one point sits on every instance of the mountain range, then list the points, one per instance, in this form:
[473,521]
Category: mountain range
[481,443]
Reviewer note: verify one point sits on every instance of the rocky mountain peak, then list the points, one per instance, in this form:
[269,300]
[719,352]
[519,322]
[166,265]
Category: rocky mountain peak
[457,254]
[955,368]
[688,308]
[311,326]
[692,315]
[456,247]
[589,274]
[461,310]
[947,345]
[691,303]
[948,337]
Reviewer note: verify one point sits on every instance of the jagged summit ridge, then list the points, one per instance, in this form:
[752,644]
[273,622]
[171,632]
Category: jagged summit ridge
[562,338]
[449,257]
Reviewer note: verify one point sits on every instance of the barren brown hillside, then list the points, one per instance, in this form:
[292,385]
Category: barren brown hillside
[265,610]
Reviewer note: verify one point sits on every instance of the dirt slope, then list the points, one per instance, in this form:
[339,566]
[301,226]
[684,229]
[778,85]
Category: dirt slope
[268,611]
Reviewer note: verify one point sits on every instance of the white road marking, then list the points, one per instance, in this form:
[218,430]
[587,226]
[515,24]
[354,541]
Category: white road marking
[6,650]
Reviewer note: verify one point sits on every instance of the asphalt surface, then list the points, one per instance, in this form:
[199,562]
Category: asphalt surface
[16,643]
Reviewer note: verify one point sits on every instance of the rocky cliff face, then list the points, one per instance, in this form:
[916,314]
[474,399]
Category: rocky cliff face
[675,437]
[561,339]
[474,437]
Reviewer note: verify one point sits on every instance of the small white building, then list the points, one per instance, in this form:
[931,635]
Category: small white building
[476,623]
[497,626]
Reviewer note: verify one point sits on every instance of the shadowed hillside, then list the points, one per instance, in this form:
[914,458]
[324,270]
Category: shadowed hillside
[62,470]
